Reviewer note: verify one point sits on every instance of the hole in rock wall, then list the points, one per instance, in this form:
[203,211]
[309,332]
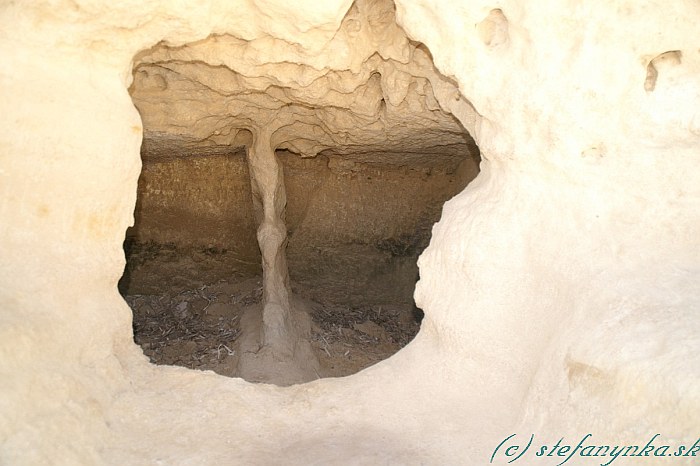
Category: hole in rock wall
[282,207]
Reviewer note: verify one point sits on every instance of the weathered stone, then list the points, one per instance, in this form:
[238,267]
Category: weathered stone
[560,288]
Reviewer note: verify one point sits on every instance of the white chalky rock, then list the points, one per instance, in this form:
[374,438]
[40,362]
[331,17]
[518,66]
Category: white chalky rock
[560,290]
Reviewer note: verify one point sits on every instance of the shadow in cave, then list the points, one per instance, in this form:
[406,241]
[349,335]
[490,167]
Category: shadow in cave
[354,181]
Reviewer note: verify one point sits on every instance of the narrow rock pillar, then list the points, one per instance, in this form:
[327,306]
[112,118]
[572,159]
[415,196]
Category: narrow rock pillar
[270,200]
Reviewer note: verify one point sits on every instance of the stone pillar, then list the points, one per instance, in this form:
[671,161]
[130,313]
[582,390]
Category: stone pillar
[270,200]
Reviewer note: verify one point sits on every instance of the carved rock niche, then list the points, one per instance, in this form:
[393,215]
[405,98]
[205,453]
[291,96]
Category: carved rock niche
[255,173]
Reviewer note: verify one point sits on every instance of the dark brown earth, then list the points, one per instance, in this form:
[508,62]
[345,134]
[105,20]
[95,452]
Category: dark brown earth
[197,327]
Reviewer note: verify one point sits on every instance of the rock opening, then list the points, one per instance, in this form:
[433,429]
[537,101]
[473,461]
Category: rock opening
[560,288]
[282,207]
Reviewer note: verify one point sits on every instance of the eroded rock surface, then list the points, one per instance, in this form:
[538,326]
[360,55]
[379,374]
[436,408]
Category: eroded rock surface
[371,153]
[560,288]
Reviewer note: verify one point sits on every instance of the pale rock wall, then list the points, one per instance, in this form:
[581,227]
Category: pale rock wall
[594,132]
[560,289]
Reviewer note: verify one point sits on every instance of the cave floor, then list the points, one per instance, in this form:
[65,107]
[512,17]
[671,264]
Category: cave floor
[198,327]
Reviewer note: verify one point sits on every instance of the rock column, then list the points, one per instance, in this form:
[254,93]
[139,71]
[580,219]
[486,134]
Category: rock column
[270,200]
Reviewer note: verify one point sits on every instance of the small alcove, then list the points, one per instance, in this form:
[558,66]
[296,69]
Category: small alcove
[360,163]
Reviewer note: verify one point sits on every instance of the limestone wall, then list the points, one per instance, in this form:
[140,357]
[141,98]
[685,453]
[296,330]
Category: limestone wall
[560,288]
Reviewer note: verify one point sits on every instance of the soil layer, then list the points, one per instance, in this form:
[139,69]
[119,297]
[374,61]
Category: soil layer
[198,327]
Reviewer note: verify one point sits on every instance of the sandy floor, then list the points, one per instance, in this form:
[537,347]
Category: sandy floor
[197,328]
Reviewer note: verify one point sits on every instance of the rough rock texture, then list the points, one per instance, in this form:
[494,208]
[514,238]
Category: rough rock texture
[356,229]
[194,221]
[382,112]
[560,288]
[194,208]
[383,128]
